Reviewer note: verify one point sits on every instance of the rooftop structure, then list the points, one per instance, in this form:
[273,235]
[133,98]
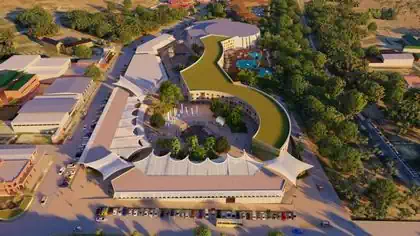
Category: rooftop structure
[69,86]
[413,81]
[222,27]
[393,60]
[15,164]
[152,46]
[44,68]
[44,114]
[147,79]
[16,85]
[205,75]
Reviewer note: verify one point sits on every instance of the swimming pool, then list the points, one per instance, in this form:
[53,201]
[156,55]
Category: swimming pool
[264,72]
[255,55]
[246,64]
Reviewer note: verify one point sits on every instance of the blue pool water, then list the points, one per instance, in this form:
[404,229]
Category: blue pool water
[263,72]
[246,64]
[255,55]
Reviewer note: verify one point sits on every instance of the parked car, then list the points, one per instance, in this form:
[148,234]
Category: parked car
[43,200]
[206,213]
[100,219]
[130,212]
[325,223]
[146,212]
[63,184]
[156,212]
[61,171]
[120,211]
[254,215]
[115,211]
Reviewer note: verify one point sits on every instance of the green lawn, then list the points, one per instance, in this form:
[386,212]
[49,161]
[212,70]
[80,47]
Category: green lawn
[206,75]
[8,214]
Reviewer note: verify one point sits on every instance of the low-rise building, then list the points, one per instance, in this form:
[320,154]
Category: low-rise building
[83,42]
[52,44]
[413,81]
[393,60]
[80,86]
[17,168]
[45,114]
[411,44]
[240,35]
[149,79]
[44,68]
[15,85]
[152,46]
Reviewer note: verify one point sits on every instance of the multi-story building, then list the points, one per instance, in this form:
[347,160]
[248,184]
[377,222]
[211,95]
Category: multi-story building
[17,169]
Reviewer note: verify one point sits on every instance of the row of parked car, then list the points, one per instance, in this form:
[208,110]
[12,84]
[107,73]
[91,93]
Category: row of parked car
[68,173]
[88,129]
[102,212]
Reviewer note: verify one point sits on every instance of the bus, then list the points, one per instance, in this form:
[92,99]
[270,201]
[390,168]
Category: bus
[228,223]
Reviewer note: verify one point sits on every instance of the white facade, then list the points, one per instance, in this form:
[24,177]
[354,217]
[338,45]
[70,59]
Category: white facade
[398,60]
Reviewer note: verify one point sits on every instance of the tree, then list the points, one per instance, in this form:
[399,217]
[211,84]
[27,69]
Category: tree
[127,4]
[192,142]
[111,6]
[372,51]
[320,59]
[313,107]
[38,21]
[247,77]
[275,233]
[318,130]
[353,102]
[198,153]
[157,120]
[210,144]
[234,119]
[374,91]
[329,145]
[94,72]
[170,93]
[202,230]
[222,145]
[125,37]
[99,232]
[395,88]
[7,46]
[297,85]
[347,159]
[332,117]
[335,86]
[83,52]
[382,193]
[407,112]
[136,233]
[175,146]
[348,132]
[372,27]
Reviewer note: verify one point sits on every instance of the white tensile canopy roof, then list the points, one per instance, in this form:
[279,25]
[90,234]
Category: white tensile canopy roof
[220,120]
[125,83]
[165,165]
[109,164]
[288,166]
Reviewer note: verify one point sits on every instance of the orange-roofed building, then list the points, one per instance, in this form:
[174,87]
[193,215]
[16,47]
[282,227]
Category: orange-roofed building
[413,81]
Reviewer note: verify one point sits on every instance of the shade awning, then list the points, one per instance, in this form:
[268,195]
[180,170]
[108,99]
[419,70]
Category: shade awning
[288,166]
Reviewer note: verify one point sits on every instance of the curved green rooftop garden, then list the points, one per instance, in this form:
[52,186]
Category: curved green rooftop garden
[206,75]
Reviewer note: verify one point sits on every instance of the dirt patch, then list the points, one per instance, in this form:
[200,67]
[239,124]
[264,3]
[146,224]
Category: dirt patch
[244,8]
[64,5]
[390,30]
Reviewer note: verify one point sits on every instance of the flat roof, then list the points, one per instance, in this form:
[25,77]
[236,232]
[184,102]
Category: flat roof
[19,62]
[49,105]
[412,80]
[39,118]
[223,27]
[398,56]
[16,151]
[149,183]
[66,85]
[206,75]
[151,46]
[51,62]
[145,67]
[10,169]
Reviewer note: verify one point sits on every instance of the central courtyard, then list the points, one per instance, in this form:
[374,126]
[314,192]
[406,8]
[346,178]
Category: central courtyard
[206,75]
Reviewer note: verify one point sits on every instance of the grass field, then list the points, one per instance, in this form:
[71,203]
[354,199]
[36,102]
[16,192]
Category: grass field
[10,213]
[206,75]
